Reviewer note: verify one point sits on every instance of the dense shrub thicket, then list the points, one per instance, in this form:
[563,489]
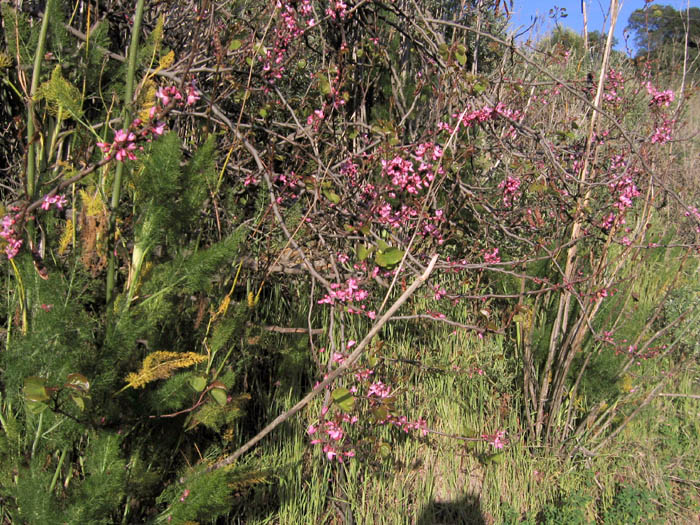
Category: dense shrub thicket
[206,204]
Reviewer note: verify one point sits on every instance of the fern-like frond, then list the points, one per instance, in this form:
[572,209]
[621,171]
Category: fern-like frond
[161,365]
[93,205]
[60,93]
[66,237]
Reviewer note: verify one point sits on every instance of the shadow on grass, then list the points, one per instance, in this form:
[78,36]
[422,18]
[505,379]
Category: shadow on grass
[465,511]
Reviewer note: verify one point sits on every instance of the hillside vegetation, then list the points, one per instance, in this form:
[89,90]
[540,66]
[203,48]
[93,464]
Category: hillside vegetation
[346,262]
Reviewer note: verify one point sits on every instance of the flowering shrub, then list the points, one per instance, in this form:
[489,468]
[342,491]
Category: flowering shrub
[304,167]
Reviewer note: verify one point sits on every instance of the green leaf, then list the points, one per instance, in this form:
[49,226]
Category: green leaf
[382,245]
[343,398]
[301,64]
[332,196]
[384,449]
[362,252]
[199,383]
[461,58]
[389,257]
[324,85]
[219,396]
[36,407]
[218,392]
[35,389]
[78,400]
[235,44]
[380,413]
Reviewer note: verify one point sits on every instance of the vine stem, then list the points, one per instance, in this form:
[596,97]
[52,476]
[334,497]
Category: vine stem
[332,376]
[127,113]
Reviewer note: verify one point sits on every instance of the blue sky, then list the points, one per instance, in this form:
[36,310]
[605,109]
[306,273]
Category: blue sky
[525,11]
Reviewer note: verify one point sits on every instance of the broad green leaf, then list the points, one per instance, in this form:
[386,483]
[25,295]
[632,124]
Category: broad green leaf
[35,389]
[219,396]
[389,257]
[235,44]
[382,245]
[461,58]
[199,383]
[36,407]
[343,398]
[380,413]
[332,196]
[362,252]
[478,88]
[78,400]
[384,449]
[323,84]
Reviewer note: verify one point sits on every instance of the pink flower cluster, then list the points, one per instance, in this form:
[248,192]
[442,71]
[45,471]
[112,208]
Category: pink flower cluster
[379,389]
[337,10]
[168,93]
[331,434]
[495,440]
[492,256]
[403,177]
[332,430]
[614,83]
[345,293]
[659,98]
[626,190]
[10,221]
[511,190]
[54,200]
[123,146]
[484,114]
[125,140]
[663,133]
[10,234]
[295,18]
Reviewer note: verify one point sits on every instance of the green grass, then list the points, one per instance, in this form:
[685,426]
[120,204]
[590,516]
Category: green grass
[437,479]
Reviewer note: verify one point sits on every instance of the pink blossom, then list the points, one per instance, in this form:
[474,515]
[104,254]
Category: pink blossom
[379,389]
[511,190]
[163,96]
[492,256]
[192,95]
[58,200]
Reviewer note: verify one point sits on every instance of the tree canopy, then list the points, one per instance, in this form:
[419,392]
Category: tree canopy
[659,27]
